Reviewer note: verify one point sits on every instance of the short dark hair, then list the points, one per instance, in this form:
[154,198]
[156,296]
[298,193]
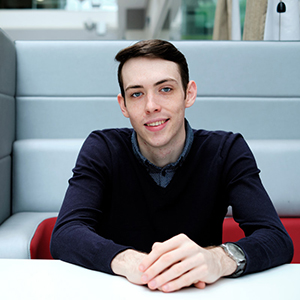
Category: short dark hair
[153,49]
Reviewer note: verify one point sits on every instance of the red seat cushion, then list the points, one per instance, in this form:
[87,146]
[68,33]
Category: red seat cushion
[40,243]
[232,232]
[292,226]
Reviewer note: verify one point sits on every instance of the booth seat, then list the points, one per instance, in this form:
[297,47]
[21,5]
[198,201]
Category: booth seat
[40,242]
[54,93]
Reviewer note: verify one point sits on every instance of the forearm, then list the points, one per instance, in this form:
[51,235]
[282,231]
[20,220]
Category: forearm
[79,245]
[266,248]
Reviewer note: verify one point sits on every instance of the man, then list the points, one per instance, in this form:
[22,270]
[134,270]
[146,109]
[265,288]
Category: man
[148,204]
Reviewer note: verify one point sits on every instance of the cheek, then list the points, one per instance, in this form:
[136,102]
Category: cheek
[134,116]
[179,107]
[135,110]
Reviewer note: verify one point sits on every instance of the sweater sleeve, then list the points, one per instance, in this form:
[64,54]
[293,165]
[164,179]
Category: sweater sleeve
[266,243]
[75,238]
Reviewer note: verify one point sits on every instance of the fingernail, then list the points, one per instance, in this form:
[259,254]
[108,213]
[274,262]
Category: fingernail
[152,284]
[144,278]
[165,288]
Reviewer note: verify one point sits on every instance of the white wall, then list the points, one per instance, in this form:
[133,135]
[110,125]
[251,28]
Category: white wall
[58,24]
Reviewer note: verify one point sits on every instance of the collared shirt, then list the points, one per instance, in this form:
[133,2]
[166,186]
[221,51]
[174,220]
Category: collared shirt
[163,176]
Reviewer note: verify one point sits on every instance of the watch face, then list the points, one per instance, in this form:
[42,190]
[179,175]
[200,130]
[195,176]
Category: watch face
[236,251]
[237,254]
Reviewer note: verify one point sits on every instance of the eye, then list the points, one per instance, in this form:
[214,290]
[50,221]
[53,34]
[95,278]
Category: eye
[166,89]
[136,95]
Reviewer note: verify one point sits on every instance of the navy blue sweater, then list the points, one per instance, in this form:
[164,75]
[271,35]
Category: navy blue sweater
[113,204]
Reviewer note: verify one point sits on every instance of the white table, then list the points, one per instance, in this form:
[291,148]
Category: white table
[52,279]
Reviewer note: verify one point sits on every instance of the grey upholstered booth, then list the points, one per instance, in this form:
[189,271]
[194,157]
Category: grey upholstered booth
[7,121]
[62,90]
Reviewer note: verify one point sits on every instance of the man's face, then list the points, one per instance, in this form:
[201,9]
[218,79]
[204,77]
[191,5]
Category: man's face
[155,102]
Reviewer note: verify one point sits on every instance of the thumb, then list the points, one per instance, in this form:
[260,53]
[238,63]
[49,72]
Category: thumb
[200,285]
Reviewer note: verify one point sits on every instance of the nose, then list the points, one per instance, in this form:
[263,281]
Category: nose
[152,104]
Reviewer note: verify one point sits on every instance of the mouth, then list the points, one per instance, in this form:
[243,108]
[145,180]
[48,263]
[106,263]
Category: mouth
[157,123]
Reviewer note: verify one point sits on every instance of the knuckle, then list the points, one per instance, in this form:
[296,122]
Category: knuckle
[193,247]
[201,257]
[186,280]
[204,269]
[178,269]
[162,279]
[156,251]
[155,245]
[182,236]
[173,286]
[166,258]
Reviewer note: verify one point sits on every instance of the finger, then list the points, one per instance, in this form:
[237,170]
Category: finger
[160,266]
[184,258]
[185,280]
[184,273]
[156,244]
[200,285]
[175,271]
[158,249]
[154,255]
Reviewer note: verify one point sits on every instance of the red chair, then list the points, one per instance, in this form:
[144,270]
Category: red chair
[40,243]
[232,232]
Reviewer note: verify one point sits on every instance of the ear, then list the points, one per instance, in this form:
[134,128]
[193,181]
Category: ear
[191,94]
[122,104]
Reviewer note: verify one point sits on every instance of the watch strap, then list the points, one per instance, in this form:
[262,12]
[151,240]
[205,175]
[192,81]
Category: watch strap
[237,254]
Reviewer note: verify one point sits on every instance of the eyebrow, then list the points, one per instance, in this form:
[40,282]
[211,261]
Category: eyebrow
[155,84]
[133,87]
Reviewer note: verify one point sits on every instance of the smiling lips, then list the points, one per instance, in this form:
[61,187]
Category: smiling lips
[157,123]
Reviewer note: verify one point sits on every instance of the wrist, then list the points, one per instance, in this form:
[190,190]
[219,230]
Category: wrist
[227,265]
[126,264]
[236,254]
[119,264]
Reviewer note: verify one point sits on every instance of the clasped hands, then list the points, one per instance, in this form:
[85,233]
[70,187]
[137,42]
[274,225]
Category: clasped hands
[176,263]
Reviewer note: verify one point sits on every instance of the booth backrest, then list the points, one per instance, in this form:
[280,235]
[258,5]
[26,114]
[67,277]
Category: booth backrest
[67,89]
[7,120]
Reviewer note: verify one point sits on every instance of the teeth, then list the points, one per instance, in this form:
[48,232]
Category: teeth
[156,123]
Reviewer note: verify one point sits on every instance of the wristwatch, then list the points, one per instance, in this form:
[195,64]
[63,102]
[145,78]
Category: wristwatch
[238,255]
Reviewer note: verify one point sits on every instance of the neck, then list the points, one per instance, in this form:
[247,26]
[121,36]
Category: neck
[162,156]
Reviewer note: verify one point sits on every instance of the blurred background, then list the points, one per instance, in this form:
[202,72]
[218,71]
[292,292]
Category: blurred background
[143,19]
